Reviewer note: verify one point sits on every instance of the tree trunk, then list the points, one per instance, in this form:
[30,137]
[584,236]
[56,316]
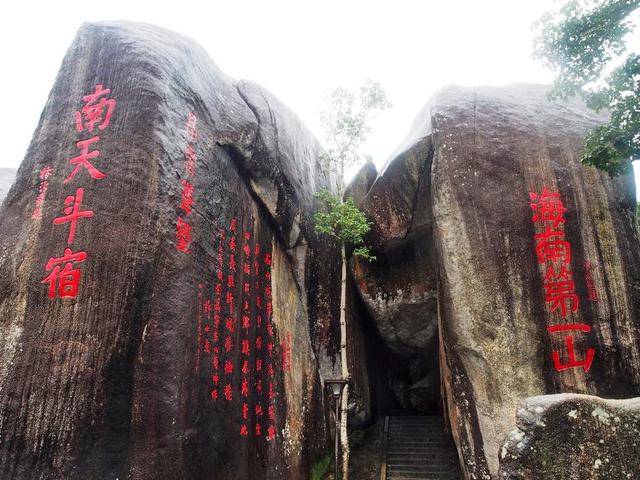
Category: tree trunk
[345,368]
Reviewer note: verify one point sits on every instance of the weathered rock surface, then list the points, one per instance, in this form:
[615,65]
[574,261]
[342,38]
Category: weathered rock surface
[573,437]
[178,337]
[361,183]
[7,176]
[399,288]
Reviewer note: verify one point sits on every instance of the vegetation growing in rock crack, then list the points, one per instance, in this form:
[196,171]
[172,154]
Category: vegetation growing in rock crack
[347,125]
[586,42]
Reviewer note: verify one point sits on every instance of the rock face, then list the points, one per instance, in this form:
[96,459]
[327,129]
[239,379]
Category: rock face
[531,257]
[154,256]
[399,289]
[499,296]
[7,176]
[573,437]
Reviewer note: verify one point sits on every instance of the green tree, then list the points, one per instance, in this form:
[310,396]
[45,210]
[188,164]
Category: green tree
[347,125]
[585,42]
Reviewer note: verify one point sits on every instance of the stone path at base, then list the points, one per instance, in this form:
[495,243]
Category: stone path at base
[418,448]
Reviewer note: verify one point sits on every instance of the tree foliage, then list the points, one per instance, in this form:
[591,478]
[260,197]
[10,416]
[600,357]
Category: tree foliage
[344,221]
[347,125]
[585,42]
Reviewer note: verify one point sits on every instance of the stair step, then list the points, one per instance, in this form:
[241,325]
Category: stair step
[419,448]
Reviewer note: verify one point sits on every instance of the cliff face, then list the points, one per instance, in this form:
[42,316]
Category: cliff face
[531,255]
[154,257]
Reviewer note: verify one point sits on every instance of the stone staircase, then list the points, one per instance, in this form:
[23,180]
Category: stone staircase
[418,448]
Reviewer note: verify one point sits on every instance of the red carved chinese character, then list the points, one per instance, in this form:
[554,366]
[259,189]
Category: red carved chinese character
[271,432]
[45,172]
[216,379]
[560,290]
[73,213]
[259,385]
[245,387]
[65,278]
[233,226]
[547,207]
[592,294]
[246,249]
[228,392]
[94,112]
[243,430]
[82,160]
[214,394]
[245,367]
[245,346]
[552,246]
[258,343]
[183,235]
[573,362]
[246,322]
[231,282]
[230,302]
[247,237]
[190,164]
[187,197]
[272,391]
[191,126]
[246,287]
[207,345]
[267,259]
[258,430]
[246,268]
[258,364]
[228,367]
[258,410]
[228,344]
[245,411]
[230,324]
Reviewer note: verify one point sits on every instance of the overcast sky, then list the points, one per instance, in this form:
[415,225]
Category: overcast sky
[298,50]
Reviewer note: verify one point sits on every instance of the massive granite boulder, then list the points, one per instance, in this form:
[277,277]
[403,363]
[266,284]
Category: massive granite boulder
[7,176]
[573,437]
[154,254]
[537,258]
[530,257]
